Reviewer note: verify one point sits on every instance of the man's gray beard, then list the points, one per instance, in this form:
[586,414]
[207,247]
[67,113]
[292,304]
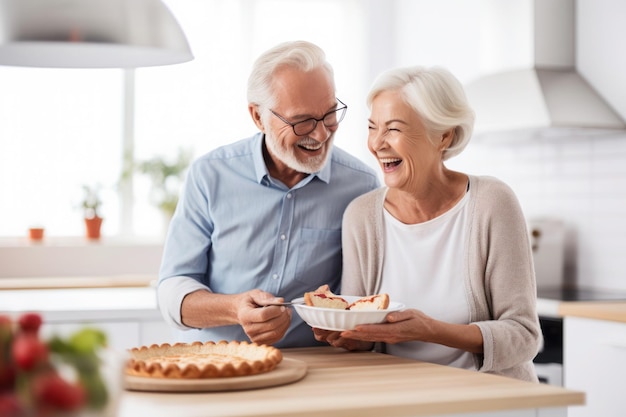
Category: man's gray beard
[288,157]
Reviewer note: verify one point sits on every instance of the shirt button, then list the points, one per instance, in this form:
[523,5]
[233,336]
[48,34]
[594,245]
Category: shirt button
[289,196]
[283,237]
[275,276]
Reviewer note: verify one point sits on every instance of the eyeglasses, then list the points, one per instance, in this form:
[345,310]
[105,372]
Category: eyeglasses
[330,119]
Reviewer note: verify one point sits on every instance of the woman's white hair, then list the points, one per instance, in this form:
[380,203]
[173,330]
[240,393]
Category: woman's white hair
[438,98]
[302,55]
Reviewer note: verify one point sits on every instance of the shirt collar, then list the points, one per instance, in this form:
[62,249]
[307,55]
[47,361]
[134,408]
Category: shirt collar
[257,155]
[260,168]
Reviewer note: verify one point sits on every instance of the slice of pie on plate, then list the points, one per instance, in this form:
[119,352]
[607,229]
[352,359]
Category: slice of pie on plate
[202,360]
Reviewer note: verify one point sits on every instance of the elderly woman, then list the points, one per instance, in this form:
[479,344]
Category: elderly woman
[452,247]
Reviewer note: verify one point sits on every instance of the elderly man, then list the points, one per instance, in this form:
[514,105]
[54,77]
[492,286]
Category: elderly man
[259,220]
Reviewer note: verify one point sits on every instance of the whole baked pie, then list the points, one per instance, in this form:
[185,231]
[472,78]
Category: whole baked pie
[202,360]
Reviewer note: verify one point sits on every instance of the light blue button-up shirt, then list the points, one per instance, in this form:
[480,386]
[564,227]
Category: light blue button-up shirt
[236,229]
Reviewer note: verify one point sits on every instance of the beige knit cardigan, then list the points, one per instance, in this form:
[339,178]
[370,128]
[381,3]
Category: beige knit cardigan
[500,278]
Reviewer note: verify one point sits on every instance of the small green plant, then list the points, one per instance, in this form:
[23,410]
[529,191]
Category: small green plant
[166,176]
[91,201]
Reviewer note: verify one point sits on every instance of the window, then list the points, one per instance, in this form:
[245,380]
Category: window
[61,129]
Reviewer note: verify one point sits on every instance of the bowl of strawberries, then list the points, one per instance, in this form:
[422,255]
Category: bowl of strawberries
[58,376]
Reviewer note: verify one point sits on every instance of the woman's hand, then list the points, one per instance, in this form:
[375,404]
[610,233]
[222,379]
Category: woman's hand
[400,326]
[335,339]
[410,325]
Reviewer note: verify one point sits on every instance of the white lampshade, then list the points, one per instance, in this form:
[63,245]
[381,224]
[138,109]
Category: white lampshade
[90,34]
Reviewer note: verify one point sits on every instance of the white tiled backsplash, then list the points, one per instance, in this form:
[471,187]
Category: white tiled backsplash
[582,181]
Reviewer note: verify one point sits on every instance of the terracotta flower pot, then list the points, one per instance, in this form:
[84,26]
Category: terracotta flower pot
[93,225]
[35,233]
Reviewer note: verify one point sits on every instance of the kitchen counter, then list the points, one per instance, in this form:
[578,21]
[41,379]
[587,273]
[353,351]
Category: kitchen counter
[558,302]
[340,383]
[108,281]
[601,310]
[593,305]
[69,304]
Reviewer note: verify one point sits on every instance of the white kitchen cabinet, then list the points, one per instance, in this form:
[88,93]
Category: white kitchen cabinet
[595,362]
[129,316]
[155,332]
[552,412]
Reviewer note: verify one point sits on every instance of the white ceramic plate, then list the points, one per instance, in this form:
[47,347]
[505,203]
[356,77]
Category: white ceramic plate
[335,319]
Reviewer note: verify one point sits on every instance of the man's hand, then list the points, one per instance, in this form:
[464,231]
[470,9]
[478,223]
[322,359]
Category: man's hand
[263,325]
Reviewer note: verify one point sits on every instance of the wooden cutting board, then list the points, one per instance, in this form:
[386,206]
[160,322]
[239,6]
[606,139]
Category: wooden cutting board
[287,371]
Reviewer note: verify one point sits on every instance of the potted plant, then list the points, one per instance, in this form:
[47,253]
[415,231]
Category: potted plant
[91,204]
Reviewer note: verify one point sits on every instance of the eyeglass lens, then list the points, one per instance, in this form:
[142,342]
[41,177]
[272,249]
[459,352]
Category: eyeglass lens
[330,120]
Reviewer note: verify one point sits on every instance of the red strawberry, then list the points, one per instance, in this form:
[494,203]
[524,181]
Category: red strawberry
[6,335]
[52,391]
[30,322]
[7,368]
[29,351]
[5,321]
[10,405]
[7,378]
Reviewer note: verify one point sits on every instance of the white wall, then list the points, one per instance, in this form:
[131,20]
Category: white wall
[582,182]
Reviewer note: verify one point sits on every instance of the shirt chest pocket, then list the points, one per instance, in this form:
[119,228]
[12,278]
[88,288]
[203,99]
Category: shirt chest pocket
[318,257]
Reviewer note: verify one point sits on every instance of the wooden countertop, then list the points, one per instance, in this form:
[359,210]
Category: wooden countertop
[601,310]
[113,281]
[340,383]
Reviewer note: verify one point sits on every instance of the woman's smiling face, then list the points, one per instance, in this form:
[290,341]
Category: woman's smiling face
[400,143]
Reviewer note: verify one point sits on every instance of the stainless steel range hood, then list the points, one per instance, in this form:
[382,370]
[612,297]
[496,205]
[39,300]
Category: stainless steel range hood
[551,99]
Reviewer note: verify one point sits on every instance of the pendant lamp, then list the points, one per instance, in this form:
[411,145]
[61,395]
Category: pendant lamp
[90,34]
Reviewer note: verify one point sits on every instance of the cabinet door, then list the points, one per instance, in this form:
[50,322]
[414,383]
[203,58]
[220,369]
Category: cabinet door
[595,362]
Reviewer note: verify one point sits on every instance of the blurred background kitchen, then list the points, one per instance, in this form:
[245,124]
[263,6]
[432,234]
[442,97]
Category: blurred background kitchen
[64,129]
[547,79]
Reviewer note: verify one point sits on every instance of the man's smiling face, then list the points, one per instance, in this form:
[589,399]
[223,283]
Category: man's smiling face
[300,96]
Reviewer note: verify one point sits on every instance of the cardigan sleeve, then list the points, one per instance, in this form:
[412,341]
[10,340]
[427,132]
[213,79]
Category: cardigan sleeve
[361,240]
[503,280]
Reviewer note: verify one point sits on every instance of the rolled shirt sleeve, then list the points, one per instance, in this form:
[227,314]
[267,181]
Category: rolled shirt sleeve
[170,294]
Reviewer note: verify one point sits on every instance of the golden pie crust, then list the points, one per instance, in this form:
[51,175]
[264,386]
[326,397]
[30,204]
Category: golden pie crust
[202,360]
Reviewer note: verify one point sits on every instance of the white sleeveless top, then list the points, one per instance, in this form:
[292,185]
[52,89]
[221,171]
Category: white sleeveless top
[423,268]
